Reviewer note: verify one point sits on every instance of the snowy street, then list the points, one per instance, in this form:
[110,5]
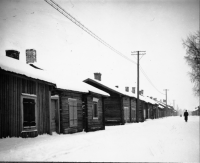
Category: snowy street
[168,139]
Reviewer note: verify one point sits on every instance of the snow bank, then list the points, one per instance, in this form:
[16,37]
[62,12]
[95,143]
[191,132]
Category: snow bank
[160,140]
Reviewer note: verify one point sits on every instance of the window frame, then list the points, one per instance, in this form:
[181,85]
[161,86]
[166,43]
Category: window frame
[95,101]
[76,122]
[32,97]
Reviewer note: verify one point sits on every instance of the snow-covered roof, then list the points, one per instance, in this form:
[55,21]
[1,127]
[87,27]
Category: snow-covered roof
[160,106]
[112,88]
[170,107]
[120,91]
[18,67]
[95,90]
[75,85]
[71,85]
[161,103]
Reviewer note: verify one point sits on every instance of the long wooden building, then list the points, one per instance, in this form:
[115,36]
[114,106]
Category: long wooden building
[25,99]
[118,107]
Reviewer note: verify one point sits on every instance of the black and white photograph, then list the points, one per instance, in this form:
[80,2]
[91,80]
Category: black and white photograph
[99,81]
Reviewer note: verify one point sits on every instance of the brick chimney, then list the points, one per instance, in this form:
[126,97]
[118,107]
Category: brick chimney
[127,89]
[141,92]
[13,54]
[133,90]
[97,76]
[31,56]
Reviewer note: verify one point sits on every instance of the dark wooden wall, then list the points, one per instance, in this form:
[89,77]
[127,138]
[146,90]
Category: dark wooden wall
[94,124]
[64,111]
[150,107]
[126,103]
[11,88]
[145,106]
[113,110]
[133,110]
[140,111]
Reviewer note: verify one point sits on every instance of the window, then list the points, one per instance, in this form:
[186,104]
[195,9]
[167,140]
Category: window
[29,112]
[72,112]
[95,108]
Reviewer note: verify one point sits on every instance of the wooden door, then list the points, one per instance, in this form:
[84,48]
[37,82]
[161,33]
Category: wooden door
[126,116]
[53,115]
[144,113]
[55,120]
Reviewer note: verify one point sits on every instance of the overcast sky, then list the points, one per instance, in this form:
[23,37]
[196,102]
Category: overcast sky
[64,49]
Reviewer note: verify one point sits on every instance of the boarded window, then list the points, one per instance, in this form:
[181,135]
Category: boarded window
[95,110]
[72,112]
[29,113]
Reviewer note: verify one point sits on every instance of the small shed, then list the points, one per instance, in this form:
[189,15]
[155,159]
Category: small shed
[196,111]
[25,99]
[117,105]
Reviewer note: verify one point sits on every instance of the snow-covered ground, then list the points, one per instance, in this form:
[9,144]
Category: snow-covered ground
[160,140]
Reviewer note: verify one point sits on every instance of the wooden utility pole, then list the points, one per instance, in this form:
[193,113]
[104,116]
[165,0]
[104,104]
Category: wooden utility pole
[166,98]
[138,82]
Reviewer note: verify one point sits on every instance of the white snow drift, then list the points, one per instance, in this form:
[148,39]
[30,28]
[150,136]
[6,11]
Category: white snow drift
[159,140]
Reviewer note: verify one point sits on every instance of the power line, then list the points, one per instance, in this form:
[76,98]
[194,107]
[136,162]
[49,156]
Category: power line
[79,24]
[149,80]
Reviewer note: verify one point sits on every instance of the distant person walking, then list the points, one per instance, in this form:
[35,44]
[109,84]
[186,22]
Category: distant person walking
[186,115]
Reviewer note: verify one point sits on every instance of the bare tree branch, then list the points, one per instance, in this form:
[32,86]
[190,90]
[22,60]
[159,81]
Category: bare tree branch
[192,57]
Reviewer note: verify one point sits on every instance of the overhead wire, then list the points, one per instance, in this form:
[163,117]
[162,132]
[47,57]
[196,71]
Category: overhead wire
[79,24]
[150,80]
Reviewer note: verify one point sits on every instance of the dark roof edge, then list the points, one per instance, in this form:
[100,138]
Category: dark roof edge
[98,93]
[88,79]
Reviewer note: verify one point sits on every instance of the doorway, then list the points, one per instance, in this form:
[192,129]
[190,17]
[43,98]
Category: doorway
[55,114]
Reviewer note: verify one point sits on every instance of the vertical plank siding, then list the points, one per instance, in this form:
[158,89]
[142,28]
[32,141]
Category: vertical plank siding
[64,111]
[113,110]
[133,110]
[145,106]
[94,124]
[126,103]
[140,112]
[11,88]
